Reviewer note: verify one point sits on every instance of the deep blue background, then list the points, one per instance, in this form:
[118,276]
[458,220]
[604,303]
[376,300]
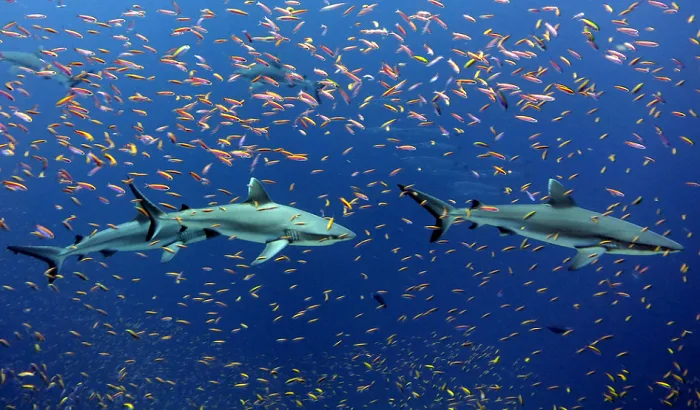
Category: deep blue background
[645,324]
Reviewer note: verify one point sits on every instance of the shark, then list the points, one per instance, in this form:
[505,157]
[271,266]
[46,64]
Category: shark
[35,63]
[558,222]
[258,219]
[280,73]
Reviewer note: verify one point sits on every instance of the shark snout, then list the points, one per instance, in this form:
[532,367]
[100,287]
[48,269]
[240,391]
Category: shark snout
[675,246]
[350,235]
[346,235]
[668,244]
[341,233]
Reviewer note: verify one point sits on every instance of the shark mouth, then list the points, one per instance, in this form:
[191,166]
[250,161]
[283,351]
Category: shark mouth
[610,244]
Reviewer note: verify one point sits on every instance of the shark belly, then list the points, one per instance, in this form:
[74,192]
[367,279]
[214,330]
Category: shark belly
[241,221]
[562,239]
[545,224]
[129,237]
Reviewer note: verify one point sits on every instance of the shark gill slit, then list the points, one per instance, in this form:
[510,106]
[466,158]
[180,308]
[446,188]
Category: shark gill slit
[291,235]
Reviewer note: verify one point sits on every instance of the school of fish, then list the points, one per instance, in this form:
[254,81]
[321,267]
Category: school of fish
[165,97]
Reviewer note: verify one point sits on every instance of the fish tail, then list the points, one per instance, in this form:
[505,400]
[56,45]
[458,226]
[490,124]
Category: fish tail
[444,213]
[52,255]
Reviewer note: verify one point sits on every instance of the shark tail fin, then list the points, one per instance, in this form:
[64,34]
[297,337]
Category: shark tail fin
[155,214]
[444,213]
[317,91]
[52,255]
[78,79]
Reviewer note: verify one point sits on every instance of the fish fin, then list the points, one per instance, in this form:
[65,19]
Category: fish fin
[505,231]
[154,213]
[474,225]
[168,255]
[276,64]
[211,233]
[77,79]
[474,204]
[52,255]
[256,86]
[140,217]
[184,207]
[317,91]
[256,194]
[272,248]
[78,239]
[107,252]
[444,213]
[586,256]
[558,196]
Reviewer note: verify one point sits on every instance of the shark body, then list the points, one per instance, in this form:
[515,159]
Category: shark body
[258,219]
[280,73]
[34,62]
[559,222]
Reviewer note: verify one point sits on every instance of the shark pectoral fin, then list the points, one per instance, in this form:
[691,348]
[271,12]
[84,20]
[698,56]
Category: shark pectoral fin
[505,231]
[170,251]
[586,256]
[271,249]
[107,252]
[211,233]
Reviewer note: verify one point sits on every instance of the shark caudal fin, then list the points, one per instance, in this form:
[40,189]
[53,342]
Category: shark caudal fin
[155,214]
[444,213]
[317,91]
[52,255]
[77,79]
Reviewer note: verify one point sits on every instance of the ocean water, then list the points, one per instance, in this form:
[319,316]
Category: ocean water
[477,319]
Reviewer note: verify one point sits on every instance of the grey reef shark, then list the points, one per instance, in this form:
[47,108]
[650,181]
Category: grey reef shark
[35,63]
[258,219]
[279,72]
[558,222]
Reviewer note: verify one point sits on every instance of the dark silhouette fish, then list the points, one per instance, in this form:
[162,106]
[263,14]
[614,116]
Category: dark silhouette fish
[559,329]
[380,300]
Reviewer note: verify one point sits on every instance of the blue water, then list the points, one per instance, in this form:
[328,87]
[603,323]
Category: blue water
[352,354]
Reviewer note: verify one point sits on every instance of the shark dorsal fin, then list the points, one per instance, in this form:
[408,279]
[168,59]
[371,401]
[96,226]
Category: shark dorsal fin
[141,215]
[256,193]
[558,196]
[184,207]
[276,64]
[154,213]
